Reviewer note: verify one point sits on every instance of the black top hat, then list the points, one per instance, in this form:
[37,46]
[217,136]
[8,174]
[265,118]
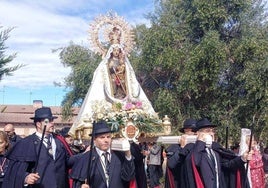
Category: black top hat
[235,146]
[188,124]
[203,123]
[64,131]
[101,128]
[43,113]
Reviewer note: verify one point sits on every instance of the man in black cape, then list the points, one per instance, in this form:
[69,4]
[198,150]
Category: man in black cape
[178,168]
[38,164]
[115,171]
[214,166]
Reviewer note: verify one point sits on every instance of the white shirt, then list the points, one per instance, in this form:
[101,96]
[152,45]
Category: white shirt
[102,160]
[52,140]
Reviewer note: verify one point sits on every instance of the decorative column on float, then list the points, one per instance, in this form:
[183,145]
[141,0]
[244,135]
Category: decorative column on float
[167,125]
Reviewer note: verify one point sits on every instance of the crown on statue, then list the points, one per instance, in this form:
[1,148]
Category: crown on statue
[110,29]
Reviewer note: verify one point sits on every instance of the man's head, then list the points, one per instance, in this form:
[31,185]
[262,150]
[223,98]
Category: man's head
[102,135]
[204,125]
[265,150]
[64,132]
[9,130]
[235,147]
[43,117]
[206,130]
[189,126]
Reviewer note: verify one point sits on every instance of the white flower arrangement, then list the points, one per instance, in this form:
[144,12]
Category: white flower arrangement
[118,114]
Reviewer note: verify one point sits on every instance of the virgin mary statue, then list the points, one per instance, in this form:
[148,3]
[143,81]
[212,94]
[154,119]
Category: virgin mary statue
[114,88]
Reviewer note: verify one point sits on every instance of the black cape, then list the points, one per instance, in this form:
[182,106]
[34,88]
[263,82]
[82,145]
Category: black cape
[121,170]
[179,167]
[230,164]
[22,160]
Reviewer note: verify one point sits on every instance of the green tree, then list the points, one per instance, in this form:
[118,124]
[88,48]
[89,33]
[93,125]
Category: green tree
[199,58]
[83,63]
[207,58]
[4,59]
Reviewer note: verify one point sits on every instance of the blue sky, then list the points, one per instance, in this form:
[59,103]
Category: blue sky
[40,27]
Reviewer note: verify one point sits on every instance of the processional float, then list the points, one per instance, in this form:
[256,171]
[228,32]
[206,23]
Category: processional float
[115,95]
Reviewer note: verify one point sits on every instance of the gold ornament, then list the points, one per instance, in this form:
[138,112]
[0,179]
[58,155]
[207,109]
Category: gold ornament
[110,29]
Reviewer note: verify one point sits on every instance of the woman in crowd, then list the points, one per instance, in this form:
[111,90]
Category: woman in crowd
[4,146]
[265,164]
[256,167]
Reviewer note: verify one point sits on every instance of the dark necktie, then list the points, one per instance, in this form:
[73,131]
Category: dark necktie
[214,162]
[211,156]
[49,146]
[106,161]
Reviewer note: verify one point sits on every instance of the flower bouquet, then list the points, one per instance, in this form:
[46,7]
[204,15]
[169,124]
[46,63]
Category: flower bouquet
[118,114]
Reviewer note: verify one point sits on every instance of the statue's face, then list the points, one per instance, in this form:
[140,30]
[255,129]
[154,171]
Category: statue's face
[116,52]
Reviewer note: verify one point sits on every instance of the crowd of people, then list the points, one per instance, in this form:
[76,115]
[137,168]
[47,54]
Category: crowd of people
[47,159]
[205,163]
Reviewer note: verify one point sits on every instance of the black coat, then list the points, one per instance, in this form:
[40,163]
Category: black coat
[179,164]
[14,139]
[228,164]
[230,170]
[140,173]
[4,163]
[23,157]
[120,173]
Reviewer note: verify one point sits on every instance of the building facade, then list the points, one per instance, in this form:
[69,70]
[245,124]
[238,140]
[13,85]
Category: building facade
[19,116]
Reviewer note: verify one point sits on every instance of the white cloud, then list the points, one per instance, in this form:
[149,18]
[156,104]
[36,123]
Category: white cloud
[41,26]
